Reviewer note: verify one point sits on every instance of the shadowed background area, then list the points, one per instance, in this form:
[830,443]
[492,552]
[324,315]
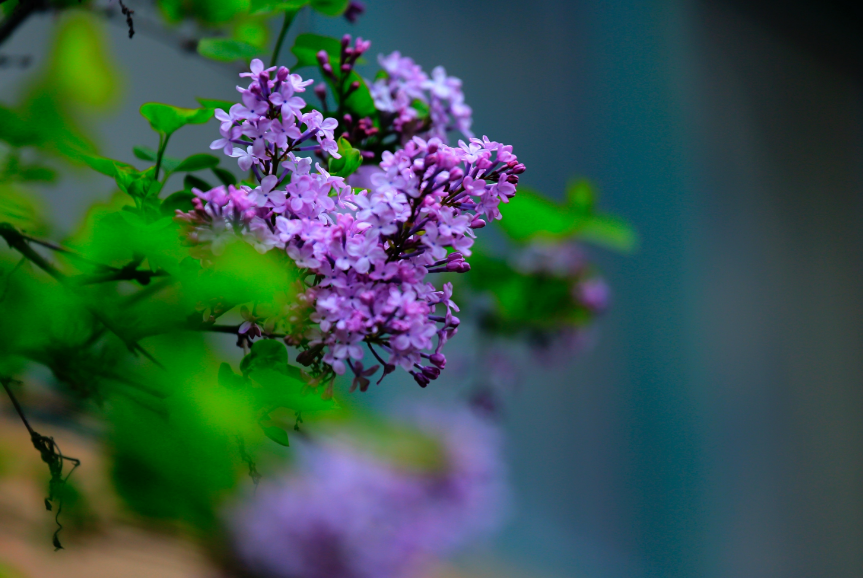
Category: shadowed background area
[714,427]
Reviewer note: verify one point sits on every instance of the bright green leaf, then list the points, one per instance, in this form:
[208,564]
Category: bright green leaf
[166,119]
[349,162]
[219,11]
[215,103]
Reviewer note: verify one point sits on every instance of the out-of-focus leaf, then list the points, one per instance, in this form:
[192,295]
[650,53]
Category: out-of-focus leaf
[281,390]
[214,103]
[80,68]
[219,11]
[265,354]
[197,162]
[530,214]
[252,30]
[266,6]
[330,7]
[36,173]
[172,10]
[226,177]
[307,46]
[167,119]
[181,200]
[192,182]
[226,49]
[21,210]
[610,232]
[229,379]
[276,434]
[349,162]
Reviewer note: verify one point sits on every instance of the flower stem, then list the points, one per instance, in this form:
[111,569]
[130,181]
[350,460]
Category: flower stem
[289,17]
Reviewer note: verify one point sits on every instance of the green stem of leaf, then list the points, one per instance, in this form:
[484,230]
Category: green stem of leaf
[289,18]
[163,144]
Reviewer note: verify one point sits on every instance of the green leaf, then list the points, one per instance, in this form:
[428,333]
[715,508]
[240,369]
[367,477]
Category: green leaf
[107,167]
[197,162]
[219,11]
[350,161]
[215,103]
[359,101]
[225,176]
[284,390]
[276,434]
[267,6]
[229,379]
[581,196]
[330,7]
[181,200]
[422,109]
[610,232]
[144,153]
[148,154]
[267,354]
[531,215]
[37,173]
[226,49]
[307,46]
[166,119]
[192,182]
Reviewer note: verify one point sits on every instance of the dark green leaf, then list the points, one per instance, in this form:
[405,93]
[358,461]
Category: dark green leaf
[307,46]
[330,7]
[225,176]
[197,162]
[226,49]
[193,182]
[349,162]
[37,173]
[276,434]
[181,200]
[166,119]
[265,354]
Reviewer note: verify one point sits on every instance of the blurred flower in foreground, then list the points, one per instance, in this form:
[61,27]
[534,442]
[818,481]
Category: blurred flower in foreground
[378,509]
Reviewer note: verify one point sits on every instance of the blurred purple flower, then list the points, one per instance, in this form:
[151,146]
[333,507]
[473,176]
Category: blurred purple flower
[345,512]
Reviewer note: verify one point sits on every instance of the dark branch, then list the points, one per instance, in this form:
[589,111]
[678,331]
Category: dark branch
[23,11]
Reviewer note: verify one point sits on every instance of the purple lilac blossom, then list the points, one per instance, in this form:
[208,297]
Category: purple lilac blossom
[405,83]
[370,251]
[346,512]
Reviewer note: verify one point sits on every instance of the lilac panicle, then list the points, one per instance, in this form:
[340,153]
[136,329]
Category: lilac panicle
[406,82]
[370,252]
[345,512]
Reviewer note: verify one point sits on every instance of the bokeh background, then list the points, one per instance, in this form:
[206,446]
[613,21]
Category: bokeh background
[714,426]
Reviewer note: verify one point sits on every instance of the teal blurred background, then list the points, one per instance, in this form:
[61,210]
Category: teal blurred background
[714,427]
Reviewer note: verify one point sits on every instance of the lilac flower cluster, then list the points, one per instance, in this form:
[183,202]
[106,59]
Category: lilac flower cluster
[405,84]
[370,251]
[346,512]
